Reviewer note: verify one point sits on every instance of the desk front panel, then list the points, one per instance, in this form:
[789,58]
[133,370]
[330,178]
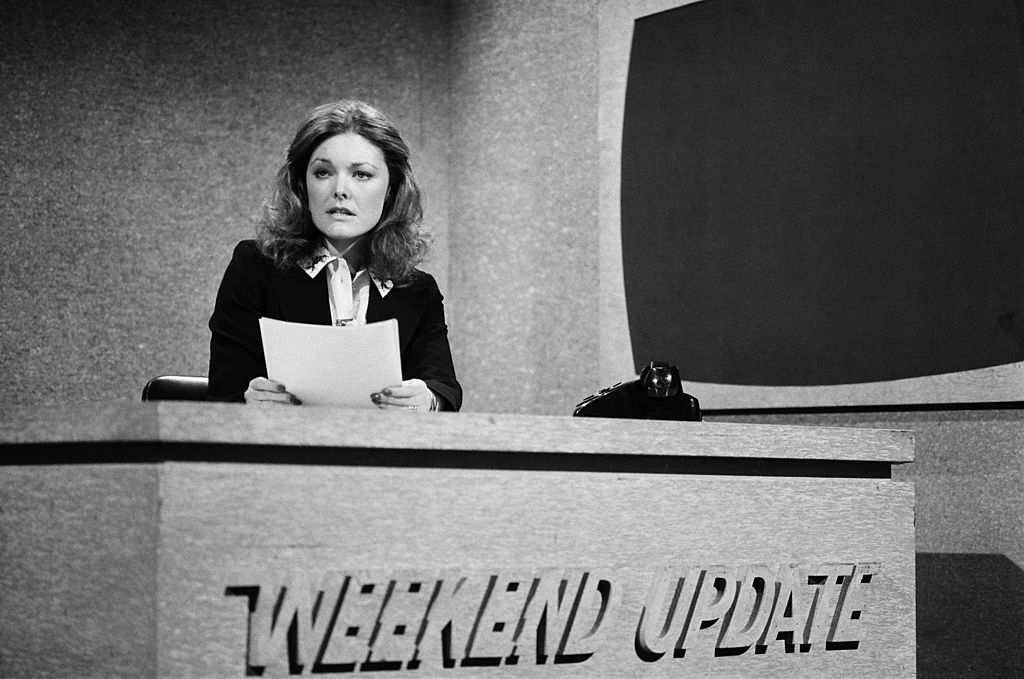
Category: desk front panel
[280,570]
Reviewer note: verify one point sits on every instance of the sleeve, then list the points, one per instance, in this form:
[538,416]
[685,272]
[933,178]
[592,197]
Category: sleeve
[429,356]
[236,350]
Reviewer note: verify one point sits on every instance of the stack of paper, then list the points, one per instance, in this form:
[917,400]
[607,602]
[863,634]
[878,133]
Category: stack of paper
[327,365]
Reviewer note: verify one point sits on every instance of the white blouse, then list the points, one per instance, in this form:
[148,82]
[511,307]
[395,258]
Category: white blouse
[349,295]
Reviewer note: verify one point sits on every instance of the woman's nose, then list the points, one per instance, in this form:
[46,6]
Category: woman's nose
[341,188]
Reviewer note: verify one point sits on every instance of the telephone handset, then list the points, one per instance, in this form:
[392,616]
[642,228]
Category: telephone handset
[657,395]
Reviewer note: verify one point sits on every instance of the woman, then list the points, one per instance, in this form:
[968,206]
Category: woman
[338,243]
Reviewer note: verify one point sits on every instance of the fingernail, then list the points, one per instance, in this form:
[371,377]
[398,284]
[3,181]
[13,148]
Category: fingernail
[387,392]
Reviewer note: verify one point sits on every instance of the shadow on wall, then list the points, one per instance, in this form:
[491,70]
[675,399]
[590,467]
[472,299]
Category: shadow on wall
[970,616]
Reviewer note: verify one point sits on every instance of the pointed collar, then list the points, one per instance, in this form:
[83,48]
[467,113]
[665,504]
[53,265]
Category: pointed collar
[324,255]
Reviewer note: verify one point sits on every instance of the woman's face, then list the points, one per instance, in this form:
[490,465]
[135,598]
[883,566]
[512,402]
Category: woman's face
[346,182]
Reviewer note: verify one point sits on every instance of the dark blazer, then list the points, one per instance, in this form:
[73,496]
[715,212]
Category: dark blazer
[253,287]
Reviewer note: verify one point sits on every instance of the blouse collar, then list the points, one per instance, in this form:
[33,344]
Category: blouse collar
[324,256]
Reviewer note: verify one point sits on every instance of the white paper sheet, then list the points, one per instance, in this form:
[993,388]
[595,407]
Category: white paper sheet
[327,365]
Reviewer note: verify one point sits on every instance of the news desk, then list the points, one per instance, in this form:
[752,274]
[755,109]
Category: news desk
[180,540]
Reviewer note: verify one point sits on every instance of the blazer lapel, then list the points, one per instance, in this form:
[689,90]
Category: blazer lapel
[303,299]
[400,305]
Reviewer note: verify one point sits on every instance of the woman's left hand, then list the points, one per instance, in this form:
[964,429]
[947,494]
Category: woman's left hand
[409,395]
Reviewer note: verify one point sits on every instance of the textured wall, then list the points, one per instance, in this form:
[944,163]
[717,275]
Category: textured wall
[137,143]
[524,203]
[140,139]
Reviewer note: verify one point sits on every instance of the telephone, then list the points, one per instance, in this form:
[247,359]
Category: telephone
[657,395]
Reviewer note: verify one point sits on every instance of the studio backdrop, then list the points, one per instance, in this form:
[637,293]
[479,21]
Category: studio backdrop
[810,203]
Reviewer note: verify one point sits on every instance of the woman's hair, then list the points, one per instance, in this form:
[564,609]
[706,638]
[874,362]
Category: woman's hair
[286,233]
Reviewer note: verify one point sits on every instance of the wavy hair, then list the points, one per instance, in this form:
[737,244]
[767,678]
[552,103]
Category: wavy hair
[286,233]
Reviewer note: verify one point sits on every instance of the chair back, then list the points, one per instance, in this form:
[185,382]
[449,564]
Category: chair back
[175,388]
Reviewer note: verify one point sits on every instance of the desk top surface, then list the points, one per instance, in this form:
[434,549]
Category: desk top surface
[308,427]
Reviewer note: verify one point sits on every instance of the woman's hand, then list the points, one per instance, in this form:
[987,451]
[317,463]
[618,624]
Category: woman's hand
[409,395]
[262,391]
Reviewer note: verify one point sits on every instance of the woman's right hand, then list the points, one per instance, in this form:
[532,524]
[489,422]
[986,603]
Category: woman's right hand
[262,391]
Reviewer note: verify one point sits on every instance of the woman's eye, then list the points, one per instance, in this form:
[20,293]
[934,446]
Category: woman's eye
[359,174]
[320,173]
